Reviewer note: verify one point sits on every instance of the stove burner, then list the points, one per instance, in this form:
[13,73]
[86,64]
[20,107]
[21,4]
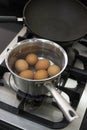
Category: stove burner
[33,101]
[37,108]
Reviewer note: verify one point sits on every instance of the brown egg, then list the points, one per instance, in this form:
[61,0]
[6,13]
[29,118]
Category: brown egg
[21,65]
[53,70]
[41,74]
[32,58]
[27,74]
[42,64]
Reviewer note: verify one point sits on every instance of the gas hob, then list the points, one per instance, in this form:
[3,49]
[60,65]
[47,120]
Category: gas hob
[73,82]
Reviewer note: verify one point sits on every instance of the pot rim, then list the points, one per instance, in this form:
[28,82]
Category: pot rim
[33,40]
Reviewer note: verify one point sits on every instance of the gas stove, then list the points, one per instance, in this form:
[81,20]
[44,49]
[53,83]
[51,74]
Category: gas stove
[23,112]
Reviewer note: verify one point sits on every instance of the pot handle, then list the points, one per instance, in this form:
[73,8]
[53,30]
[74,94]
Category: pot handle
[10,19]
[64,106]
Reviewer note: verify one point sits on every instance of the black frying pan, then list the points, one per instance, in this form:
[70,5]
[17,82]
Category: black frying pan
[57,20]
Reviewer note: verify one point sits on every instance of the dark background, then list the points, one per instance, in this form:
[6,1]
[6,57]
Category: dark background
[8,30]
[12,7]
[15,7]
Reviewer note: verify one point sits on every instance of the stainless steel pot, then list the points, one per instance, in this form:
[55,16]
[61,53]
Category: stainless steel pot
[50,50]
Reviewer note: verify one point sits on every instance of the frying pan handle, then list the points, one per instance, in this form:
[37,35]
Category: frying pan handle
[10,19]
[64,106]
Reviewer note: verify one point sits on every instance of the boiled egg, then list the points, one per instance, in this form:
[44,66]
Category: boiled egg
[32,58]
[40,74]
[42,64]
[53,70]
[29,74]
[21,65]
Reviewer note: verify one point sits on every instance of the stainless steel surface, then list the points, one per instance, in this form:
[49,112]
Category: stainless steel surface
[47,49]
[64,106]
[11,45]
[68,111]
[43,48]
[27,124]
[8,96]
[9,82]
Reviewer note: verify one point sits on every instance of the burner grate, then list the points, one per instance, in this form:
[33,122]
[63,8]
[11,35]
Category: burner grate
[20,112]
[35,102]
